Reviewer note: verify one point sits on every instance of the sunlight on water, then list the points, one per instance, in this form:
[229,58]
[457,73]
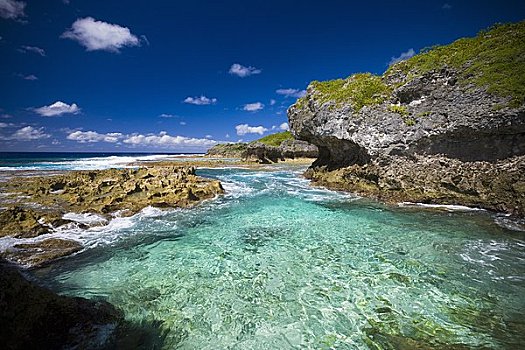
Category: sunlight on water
[276,264]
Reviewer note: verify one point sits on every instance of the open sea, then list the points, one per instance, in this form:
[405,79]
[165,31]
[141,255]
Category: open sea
[278,264]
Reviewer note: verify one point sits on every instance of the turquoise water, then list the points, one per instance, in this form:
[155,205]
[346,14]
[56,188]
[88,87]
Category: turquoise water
[276,264]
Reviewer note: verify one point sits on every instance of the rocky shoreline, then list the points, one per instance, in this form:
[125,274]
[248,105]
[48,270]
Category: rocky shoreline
[37,206]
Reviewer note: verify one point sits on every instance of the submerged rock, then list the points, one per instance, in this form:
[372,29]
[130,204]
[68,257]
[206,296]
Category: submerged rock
[38,253]
[431,129]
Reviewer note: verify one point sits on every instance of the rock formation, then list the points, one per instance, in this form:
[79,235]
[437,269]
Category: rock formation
[269,149]
[227,150]
[33,317]
[446,126]
[37,204]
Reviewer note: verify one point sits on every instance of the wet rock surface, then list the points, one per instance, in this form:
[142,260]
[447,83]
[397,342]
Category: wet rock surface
[39,253]
[33,317]
[36,205]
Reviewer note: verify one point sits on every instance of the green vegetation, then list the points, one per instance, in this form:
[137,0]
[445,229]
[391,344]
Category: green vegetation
[495,59]
[401,110]
[409,121]
[276,139]
[363,89]
[423,114]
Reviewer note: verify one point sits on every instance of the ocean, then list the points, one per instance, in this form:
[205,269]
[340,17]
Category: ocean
[13,161]
[278,264]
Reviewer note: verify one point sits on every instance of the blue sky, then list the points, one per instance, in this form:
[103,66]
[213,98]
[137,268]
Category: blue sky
[179,76]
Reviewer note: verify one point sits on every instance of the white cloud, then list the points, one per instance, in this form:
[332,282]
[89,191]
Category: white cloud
[30,77]
[164,140]
[165,115]
[5,116]
[227,136]
[182,123]
[272,102]
[93,136]
[446,6]
[34,49]
[244,129]
[208,136]
[98,35]
[284,127]
[27,133]
[291,92]
[200,101]
[4,125]
[253,107]
[242,71]
[403,56]
[12,9]
[57,108]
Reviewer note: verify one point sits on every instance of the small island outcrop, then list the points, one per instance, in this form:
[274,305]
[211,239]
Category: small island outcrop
[446,126]
[269,149]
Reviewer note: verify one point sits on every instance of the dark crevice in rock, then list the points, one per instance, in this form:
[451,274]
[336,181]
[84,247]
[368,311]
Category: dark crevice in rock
[335,153]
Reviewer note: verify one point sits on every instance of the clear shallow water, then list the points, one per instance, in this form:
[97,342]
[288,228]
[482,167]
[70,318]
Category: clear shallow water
[276,264]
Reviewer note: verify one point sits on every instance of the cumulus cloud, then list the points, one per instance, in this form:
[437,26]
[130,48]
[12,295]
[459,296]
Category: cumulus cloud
[12,9]
[200,101]
[403,56]
[291,92]
[253,107]
[4,125]
[98,35]
[27,133]
[160,140]
[284,127]
[242,71]
[58,108]
[182,123]
[243,129]
[34,49]
[166,115]
[164,140]
[446,6]
[93,136]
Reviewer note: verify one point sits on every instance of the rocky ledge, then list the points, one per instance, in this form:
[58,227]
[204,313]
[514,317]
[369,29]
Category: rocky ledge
[446,126]
[36,206]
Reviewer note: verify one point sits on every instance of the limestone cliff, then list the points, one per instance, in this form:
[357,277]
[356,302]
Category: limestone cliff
[445,126]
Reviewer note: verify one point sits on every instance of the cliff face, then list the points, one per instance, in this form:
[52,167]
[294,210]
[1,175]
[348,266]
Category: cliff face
[446,126]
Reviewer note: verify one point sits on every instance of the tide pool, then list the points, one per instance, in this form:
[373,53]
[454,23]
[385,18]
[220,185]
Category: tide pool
[277,264]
